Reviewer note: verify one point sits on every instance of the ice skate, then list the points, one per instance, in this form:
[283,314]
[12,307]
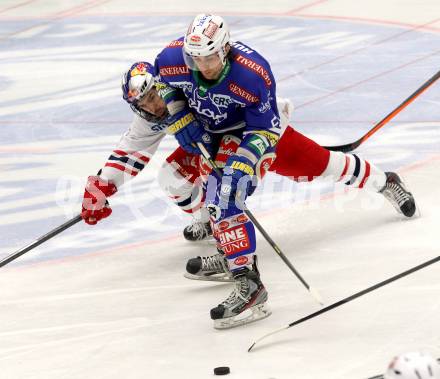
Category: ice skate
[246,303]
[210,268]
[396,192]
[198,231]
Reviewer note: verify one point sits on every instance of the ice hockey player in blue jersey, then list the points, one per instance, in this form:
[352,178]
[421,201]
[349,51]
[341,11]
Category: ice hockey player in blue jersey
[227,89]
[232,90]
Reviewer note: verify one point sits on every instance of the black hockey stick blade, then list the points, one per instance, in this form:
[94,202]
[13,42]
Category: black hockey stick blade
[350,298]
[40,240]
[353,145]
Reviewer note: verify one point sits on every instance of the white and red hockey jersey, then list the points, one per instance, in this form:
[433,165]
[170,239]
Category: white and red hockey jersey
[134,150]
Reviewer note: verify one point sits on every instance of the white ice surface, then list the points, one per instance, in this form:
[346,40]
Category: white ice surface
[118,306]
[130,313]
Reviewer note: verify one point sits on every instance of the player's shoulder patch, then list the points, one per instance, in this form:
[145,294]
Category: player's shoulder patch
[170,61]
[250,64]
[255,66]
[172,53]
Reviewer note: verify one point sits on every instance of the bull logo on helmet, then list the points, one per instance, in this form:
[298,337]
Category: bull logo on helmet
[140,69]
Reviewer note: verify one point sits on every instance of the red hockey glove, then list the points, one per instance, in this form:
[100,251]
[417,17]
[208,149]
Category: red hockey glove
[95,206]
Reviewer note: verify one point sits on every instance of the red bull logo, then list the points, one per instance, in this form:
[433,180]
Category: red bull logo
[140,69]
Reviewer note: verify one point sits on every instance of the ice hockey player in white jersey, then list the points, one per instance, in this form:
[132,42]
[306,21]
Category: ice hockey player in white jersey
[135,149]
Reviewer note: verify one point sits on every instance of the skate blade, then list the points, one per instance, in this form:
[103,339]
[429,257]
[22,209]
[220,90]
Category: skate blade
[255,313]
[416,214]
[211,278]
[390,198]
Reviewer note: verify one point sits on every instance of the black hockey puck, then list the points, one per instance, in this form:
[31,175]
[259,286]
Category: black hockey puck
[222,370]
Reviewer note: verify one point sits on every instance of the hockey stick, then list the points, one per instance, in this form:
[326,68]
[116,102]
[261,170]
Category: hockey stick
[40,240]
[350,298]
[271,242]
[353,145]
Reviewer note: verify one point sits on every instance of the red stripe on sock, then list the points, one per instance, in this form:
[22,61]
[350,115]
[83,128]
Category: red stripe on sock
[121,168]
[367,174]
[347,162]
[141,157]
[120,152]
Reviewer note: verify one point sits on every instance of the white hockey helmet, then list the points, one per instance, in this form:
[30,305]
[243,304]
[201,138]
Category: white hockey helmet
[207,34]
[413,365]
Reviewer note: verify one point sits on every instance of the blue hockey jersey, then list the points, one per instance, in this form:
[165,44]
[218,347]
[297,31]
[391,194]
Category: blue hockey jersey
[243,98]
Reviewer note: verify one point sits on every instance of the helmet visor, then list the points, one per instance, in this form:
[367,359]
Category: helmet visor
[207,63]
